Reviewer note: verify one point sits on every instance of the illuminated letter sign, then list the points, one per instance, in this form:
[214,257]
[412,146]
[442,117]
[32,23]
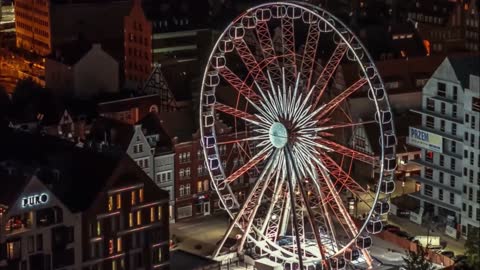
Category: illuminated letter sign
[34,200]
[425,139]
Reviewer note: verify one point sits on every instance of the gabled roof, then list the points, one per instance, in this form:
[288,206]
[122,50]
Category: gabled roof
[82,174]
[116,133]
[70,53]
[464,67]
[151,126]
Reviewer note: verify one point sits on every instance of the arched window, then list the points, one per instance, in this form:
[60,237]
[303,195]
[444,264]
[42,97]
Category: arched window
[153,108]
[205,185]
[181,173]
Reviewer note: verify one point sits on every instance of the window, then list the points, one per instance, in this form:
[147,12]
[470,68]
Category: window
[440,194]
[30,244]
[138,148]
[454,111]
[430,104]
[428,173]
[472,159]
[452,164]
[130,220]
[139,217]
[453,146]
[187,189]
[187,172]
[430,122]
[470,194]
[152,214]
[454,129]
[206,185]
[442,125]
[182,190]
[442,107]
[440,177]
[478,214]
[119,201]
[475,104]
[428,191]
[119,244]
[140,195]
[467,118]
[159,213]
[442,160]
[181,173]
[110,247]
[452,181]
[452,198]
[429,156]
[472,123]
[110,203]
[99,228]
[134,197]
[455,93]
[441,91]
[470,211]
[199,186]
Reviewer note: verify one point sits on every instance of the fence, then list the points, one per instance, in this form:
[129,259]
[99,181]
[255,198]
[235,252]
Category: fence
[411,246]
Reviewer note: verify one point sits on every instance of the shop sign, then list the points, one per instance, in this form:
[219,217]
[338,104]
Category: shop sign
[34,200]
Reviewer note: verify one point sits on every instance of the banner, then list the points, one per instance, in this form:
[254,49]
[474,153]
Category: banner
[425,139]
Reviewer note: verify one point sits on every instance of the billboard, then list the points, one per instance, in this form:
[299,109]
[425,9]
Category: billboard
[425,139]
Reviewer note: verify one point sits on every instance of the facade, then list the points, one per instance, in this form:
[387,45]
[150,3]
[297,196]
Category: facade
[42,25]
[157,32]
[193,196]
[449,138]
[472,25]
[439,23]
[71,208]
[82,71]
[145,143]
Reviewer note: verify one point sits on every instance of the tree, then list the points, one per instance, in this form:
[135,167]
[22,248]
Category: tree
[472,247]
[417,260]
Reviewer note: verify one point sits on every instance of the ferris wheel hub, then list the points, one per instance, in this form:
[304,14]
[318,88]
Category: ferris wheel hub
[278,135]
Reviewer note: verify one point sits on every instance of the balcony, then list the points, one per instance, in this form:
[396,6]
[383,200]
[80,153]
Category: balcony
[434,201]
[436,167]
[439,115]
[436,184]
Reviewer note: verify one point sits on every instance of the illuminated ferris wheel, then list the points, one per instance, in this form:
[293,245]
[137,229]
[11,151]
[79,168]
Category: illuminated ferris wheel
[272,75]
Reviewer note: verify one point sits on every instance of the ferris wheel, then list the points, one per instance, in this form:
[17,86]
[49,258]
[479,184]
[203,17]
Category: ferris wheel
[273,75]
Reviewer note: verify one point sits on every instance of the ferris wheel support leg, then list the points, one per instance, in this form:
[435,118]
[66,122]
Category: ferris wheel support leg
[292,201]
[344,213]
[306,202]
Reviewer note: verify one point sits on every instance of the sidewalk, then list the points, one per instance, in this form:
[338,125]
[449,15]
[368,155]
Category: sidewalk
[414,229]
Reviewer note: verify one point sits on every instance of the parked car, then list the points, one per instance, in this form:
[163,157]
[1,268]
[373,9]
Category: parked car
[448,253]
[391,228]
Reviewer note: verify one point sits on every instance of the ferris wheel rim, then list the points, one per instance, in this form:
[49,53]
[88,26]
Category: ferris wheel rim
[358,61]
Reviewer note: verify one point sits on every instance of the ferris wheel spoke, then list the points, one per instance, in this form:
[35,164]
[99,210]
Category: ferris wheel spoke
[237,141]
[343,213]
[346,151]
[328,71]
[332,104]
[343,125]
[346,181]
[262,155]
[302,199]
[309,53]
[238,84]
[254,70]
[268,51]
[238,114]
[253,202]
[288,45]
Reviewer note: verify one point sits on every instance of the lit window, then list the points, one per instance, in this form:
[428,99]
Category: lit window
[110,203]
[119,201]
[140,195]
[152,214]
[139,217]
[99,228]
[119,244]
[199,186]
[159,210]
[110,247]
[130,220]
[133,198]
[114,265]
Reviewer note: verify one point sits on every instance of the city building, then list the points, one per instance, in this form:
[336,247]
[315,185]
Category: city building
[193,196]
[472,25]
[439,23]
[157,32]
[81,70]
[64,207]
[449,136]
[43,25]
[146,143]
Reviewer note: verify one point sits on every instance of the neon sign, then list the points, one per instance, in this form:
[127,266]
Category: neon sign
[34,200]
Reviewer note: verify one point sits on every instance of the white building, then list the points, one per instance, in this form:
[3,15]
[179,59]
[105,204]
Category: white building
[82,70]
[449,136]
